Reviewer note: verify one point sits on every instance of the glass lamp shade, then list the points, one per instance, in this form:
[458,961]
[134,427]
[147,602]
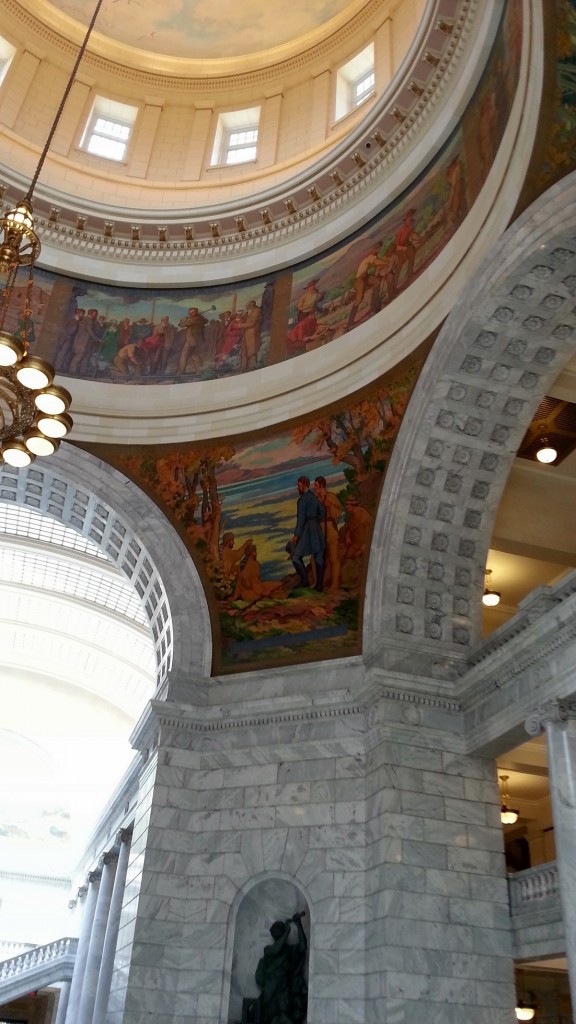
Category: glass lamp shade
[490,598]
[34,373]
[546,454]
[39,444]
[20,219]
[55,426]
[509,816]
[53,400]
[11,349]
[15,453]
[524,1011]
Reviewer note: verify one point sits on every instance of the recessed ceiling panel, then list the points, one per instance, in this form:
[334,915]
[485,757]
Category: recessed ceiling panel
[204,28]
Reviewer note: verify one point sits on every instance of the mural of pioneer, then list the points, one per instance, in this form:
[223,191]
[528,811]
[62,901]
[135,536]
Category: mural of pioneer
[136,336]
[280,525]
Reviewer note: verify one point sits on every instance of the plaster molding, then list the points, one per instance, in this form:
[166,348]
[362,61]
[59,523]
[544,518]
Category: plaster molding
[382,140]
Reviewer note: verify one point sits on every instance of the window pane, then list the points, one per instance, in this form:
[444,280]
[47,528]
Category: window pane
[243,137]
[111,128]
[363,87]
[101,146]
[241,156]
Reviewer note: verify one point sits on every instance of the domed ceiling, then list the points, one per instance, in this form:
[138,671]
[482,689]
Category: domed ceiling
[201,29]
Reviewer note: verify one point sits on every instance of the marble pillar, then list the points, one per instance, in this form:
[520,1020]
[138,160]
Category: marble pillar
[112,927]
[62,1007]
[558,719]
[97,936]
[89,892]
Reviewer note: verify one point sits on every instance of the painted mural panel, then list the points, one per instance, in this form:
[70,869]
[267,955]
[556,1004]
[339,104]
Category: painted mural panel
[153,336]
[283,560]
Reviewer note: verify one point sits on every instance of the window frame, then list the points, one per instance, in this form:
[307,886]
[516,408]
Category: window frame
[236,123]
[7,54]
[118,115]
[349,77]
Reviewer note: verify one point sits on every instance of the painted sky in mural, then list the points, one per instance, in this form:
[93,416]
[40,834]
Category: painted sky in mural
[204,28]
[152,336]
[236,506]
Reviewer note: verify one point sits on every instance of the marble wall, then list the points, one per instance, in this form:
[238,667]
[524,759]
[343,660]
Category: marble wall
[386,834]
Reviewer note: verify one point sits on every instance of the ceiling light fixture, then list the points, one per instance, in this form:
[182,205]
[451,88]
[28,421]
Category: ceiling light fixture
[525,1011]
[546,452]
[490,598]
[33,410]
[508,816]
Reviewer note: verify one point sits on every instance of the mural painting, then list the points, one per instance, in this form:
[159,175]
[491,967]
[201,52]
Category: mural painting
[237,505]
[127,335]
[559,157]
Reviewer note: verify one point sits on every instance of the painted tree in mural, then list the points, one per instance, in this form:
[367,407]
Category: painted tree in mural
[361,437]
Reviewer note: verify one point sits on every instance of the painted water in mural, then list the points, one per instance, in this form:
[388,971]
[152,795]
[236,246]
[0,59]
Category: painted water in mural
[282,560]
[131,336]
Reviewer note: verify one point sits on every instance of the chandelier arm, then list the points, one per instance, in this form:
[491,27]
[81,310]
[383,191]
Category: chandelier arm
[69,85]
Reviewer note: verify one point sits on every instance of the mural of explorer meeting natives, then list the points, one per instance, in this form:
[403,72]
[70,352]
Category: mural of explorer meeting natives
[280,526]
[127,335]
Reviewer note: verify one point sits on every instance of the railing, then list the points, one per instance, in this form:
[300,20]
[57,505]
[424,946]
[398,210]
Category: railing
[37,956]
[8,949]
[529,889]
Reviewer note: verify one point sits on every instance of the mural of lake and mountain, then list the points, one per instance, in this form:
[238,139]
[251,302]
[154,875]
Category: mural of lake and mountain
[234,502]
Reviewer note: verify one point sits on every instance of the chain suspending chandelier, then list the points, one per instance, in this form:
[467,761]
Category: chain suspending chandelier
[33,410]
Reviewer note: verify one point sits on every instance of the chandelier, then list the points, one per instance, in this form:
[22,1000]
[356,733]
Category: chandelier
[33,410]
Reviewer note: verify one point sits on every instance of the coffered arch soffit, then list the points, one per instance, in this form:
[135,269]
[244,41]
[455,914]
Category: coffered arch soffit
[93,498]
[500,349]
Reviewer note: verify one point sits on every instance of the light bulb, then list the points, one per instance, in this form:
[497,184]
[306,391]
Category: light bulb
[11,349]
[39,444]
[34,373]
[55,426]
[53,400]
[16,454]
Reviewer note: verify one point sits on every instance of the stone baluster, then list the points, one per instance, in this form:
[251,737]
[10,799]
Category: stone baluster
[97,935]
[112,927]
[90,893]
[558,719]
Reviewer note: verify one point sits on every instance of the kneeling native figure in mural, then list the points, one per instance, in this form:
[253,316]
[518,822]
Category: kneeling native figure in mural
[281,976]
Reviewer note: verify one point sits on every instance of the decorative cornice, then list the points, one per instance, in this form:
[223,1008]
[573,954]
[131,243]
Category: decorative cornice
[516,664]
[381,141]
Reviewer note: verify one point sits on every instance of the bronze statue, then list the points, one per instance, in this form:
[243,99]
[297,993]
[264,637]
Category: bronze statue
[281,976]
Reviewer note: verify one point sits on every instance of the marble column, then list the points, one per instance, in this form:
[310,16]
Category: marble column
[111,937]
[62,1003]
[88,892]
[558,719]
[97,936]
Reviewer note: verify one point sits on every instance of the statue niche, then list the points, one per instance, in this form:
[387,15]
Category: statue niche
[269,967]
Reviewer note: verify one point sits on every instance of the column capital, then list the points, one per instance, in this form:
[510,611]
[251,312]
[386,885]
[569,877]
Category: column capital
[124,835]
[550,712]
[82,892]
[109,857]
[95,876]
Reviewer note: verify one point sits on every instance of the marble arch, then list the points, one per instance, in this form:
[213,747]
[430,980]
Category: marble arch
[93,498]
[501,347]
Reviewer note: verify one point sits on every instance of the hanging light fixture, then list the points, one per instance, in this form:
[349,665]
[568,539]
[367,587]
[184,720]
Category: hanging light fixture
[525,1011]
[33,410]
[508,815]
[490,598]
[546,452]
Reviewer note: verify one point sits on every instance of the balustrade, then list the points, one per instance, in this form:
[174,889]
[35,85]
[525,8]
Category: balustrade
[529,888]
[24,961]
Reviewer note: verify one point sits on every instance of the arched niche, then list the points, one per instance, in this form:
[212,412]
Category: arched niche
[269,900]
